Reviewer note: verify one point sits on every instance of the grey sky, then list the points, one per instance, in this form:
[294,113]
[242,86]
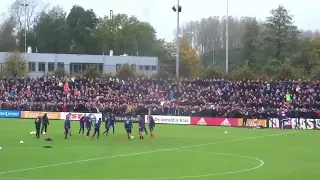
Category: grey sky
[161,16]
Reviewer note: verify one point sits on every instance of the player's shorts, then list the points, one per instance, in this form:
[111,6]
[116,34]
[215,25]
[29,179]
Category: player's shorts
[128,130]
[81,125]
[151,128]
[141,129]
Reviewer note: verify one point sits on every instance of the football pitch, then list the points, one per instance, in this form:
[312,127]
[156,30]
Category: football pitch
[178,152]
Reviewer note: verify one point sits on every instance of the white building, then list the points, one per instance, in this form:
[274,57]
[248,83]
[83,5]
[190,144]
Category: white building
[40,64]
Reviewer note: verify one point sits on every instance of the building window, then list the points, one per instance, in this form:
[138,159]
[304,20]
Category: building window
[75,68]
[147,68]
[42,66]
[32,66]
[141,68]
[50,66]
[153,68]
[61,65]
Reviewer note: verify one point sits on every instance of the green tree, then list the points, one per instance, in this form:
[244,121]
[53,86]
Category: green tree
[281,35]
[243,72]
[213,72]
[52,31]
[315,52]
[15,65]
[31,40]
[125,72]
[250,42]
[82,24]
[285,71]
[7,39]
[92,71]
[60,72]
[126,35]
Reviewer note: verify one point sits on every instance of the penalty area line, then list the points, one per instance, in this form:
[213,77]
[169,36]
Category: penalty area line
[140,153]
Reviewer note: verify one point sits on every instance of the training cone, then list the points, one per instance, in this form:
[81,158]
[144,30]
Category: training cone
[122,140]
[46,137]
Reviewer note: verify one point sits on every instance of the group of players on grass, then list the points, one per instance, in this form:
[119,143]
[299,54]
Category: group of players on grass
[88,122]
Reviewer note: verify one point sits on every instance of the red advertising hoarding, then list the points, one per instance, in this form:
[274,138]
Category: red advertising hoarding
[212,121]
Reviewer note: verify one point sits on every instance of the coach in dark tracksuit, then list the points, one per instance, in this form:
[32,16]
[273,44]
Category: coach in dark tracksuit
[45,123]
[37,123]
[112,123]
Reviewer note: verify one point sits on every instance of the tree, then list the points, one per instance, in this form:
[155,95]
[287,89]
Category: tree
[31,40]
[125,72]
[15,65]
[315,52]
[52,31]
[26,15]
[126,35]
[243,72]
[281,35]
[82,24]
[250,42]
[285,71]
[60,72]
[190,62]
[7,39]
[92,72]
[213,71]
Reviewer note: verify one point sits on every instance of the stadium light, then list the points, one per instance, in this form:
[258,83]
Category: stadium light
[177,9]
[25,26]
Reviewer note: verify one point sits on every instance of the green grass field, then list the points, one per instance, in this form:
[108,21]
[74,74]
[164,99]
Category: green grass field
[180,152]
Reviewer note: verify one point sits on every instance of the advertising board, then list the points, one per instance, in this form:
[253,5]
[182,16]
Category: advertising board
[169,119]
[213,121]
[10,114]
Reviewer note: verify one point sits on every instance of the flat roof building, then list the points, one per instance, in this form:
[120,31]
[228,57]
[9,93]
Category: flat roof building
[40,64]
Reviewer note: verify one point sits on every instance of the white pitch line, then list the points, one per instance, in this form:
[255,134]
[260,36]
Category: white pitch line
[261,163]
[139,153]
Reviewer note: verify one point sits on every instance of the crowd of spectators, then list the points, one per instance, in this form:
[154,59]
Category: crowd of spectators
[214,97]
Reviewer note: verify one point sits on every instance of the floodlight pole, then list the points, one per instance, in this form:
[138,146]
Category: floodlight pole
[227,38]
[25,27]
[178,41]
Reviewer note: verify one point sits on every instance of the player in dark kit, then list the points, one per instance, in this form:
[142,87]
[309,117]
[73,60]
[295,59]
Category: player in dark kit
[68,117]
[152,125]
[67,126]
[89,125]
[45,123]
[97,129]
[82,122]
[128,126]
[112,123]
[142,127]
[106,125]
[37,123]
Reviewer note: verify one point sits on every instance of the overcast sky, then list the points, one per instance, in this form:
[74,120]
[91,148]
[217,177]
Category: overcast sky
[160,15]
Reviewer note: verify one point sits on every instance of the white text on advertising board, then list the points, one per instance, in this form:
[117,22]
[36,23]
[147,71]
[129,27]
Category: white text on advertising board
[171,119]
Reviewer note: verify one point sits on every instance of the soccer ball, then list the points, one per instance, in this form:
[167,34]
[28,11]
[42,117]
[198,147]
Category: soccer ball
[226,132]
[0,148]
[132,137]
[44,133]
[21,142]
